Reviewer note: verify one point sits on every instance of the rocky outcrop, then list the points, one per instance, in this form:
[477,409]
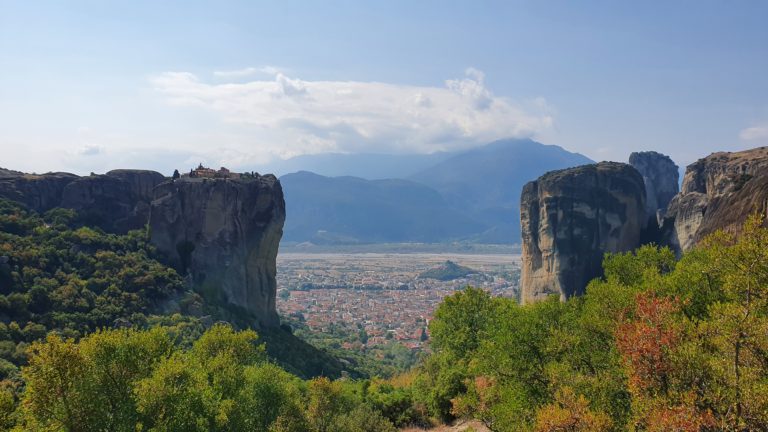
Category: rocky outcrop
[116,202]
[570,218]
[224,234]
[38,192]
[719,192]
[141,183]
[4,172]
[661,178]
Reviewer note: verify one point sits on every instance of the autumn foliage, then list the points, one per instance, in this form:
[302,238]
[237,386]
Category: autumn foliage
[645,343]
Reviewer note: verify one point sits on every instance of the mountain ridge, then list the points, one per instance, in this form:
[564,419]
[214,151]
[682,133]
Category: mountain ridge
[475,187]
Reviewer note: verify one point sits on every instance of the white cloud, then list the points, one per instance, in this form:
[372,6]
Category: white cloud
[246,72]
[90,150]
[758,132]
[289,116]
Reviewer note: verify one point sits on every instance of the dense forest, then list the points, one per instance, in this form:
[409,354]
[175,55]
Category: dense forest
[97,334]
[656,345]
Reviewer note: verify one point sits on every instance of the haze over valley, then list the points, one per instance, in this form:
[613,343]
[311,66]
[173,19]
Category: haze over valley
[293,216]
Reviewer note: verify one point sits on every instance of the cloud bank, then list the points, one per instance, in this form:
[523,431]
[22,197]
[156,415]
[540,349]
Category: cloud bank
[287,116]
[759,132]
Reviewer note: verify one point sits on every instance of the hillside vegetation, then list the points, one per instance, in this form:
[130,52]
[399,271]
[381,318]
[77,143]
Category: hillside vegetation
[59,276]
[447,271]
[656,345]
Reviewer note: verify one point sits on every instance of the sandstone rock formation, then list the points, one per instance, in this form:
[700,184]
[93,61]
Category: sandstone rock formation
[719,192]
[117,201]
[38,192]
[661,177]
[224,234]
[570,218]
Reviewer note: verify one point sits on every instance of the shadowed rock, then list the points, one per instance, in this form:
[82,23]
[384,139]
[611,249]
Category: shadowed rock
[661,178]
[719,192]
[116,202]
[570,218]
[39,192]
[224,233]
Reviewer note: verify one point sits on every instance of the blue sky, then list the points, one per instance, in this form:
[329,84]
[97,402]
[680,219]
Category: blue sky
[93,85]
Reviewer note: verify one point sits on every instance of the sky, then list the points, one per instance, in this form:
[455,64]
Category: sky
[88,86]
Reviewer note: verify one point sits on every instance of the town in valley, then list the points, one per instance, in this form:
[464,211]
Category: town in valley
[382,296]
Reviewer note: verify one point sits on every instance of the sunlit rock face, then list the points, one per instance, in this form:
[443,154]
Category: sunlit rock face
[224,234]
[661,178]
[570,218]
[719,192]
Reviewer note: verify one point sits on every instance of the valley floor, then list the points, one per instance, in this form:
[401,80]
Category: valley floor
[381,293]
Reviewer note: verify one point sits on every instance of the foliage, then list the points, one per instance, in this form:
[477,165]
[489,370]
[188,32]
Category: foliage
[58,276]
[655,345]
[386,360]
[74,280]
[447,271]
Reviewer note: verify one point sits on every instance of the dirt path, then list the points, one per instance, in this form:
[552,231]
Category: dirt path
[459,426]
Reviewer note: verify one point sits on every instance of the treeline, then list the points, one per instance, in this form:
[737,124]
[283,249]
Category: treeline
[58,275]
[151,380]
[656,345]
[55,275]
[97,334]
[140,380]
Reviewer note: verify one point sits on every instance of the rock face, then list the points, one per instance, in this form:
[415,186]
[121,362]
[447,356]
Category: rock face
[38,192]
[719,192]
[661,177]
[116,202]
[570,218]
[223,233]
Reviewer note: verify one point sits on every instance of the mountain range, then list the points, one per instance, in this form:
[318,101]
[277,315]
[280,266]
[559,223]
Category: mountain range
[471,196]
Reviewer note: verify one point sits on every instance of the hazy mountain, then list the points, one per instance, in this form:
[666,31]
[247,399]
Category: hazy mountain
[486,181]
[473,195]
[364,165]
[350,209]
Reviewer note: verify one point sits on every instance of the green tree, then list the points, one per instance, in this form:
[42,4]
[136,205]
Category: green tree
[176,397]
[58,390]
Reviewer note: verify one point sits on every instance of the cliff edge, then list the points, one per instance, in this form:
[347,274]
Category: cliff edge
[570,218]
[117,201]
[719,192]
[661,178]
[224,234]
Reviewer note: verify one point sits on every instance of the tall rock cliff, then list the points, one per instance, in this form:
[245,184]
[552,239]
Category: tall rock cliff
[39,192]
[224,234]
[719,192]
[117,201]
[570,218]
[661,178]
